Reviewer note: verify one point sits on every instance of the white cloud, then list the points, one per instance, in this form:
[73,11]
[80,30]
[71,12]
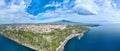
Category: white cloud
[87,5]
[104,9]
[105,12]
[14,13]
[53,4]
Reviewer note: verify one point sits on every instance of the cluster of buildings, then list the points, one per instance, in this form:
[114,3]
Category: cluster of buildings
[37,28]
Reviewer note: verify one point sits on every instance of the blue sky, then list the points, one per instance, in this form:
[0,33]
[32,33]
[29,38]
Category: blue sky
[118,3]
[40,11]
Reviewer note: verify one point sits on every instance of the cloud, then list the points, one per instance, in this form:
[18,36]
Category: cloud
[53,4]
[85,7]
[13,13]
[90,11]
[105,11]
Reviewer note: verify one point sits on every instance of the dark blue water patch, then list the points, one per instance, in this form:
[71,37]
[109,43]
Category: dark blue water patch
[101,38]
[8,45]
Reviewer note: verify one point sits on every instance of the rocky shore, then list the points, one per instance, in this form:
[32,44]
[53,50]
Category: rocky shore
[61,47]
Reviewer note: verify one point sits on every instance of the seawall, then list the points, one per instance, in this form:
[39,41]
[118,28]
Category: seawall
[61,47]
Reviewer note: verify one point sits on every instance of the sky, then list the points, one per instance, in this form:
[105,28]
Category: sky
[41,11]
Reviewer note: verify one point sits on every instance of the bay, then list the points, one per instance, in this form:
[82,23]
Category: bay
[101,38]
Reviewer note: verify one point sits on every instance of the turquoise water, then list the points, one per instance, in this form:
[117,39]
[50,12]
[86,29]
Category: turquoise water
[101,38]
[8,45]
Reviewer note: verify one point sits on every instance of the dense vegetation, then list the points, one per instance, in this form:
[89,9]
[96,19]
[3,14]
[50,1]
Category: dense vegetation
[43,41]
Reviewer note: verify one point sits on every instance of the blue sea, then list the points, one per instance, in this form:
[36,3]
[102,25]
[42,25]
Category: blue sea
[102,38]
[8,45]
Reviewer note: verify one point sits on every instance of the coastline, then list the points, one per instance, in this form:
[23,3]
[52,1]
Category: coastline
[61,47]
[23,44]
[47,41]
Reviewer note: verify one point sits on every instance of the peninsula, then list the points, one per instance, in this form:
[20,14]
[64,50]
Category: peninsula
[42,37]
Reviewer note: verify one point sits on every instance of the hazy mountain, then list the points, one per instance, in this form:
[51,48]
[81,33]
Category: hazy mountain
[71,22]
[65,22]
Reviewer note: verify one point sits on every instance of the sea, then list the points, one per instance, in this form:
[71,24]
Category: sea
[100,38]
[9,45]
